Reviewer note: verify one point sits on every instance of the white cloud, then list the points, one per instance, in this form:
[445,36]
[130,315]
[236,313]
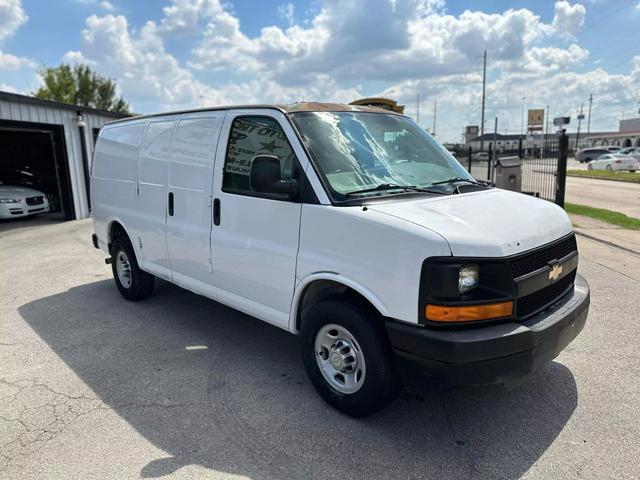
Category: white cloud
[400,46]
[108,6]
[7,88]
[286,11]
[183,16]
[75,56]
[12,62]
[12,16]
[568,19]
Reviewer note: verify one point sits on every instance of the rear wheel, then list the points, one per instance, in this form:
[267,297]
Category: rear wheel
[133,283]
[609,168]
[348,358]
[589,167]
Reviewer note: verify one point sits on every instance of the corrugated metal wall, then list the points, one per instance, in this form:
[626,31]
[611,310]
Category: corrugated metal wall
[26,112]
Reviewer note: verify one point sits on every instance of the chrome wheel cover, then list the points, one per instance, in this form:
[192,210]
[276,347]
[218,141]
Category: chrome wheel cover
[123,269]
[340,358]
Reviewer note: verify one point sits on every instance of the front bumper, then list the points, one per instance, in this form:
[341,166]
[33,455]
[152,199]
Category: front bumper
[21,209]
[497,353]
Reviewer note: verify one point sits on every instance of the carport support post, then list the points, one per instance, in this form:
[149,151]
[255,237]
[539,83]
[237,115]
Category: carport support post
[561,177]
[85,158]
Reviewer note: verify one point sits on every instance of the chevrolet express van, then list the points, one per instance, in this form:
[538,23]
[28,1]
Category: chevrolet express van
[348,226]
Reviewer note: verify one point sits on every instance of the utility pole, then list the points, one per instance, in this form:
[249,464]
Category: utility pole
[484,85]
[494,152]
[435,110]
[418,108]
[524,100]
[580,117]
[589,118]
[546,129]
[547,122]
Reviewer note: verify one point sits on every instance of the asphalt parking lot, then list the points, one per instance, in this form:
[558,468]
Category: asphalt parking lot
[92,386]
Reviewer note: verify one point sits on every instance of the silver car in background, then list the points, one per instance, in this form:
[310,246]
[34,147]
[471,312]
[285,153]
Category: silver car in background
[588,154]
[614,162]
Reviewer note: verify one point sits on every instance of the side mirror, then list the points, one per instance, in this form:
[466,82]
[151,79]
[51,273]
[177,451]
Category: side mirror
[265,177]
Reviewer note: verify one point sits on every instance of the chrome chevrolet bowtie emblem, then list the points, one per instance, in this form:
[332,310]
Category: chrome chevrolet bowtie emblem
[555,272]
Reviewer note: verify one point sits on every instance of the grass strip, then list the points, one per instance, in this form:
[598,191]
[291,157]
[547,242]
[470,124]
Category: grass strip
[606,175]
[604,215]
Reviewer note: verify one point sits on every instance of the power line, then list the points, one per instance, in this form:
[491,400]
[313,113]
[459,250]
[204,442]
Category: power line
[605,17]
[614,43]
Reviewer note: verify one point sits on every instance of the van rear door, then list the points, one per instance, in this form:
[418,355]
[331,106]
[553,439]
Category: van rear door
[188,228]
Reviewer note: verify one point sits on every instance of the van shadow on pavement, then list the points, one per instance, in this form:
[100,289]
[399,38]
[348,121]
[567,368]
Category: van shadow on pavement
[244,405]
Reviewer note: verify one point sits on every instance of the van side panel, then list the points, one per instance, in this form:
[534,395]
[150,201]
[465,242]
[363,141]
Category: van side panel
[114,177]
[188,230]
[155,153]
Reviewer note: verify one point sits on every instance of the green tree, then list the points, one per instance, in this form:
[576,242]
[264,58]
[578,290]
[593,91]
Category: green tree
[80,85]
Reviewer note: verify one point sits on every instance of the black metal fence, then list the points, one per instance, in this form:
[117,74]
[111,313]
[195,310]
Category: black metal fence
[544,166]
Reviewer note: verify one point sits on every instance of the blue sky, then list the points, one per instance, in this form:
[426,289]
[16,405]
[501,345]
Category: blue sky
[168,54]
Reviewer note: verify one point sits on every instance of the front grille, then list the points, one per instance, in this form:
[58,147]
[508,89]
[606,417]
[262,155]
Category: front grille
[35,200]
[532,303]
[530,262]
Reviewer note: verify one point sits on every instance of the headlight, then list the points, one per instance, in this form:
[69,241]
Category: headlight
[9,200]
[468,277]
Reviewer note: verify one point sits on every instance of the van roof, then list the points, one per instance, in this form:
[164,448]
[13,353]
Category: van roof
[286,109]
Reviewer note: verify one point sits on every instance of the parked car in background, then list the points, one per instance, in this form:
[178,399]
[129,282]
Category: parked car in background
[480,156]
[16,201]
[614,162]
[613,148]
[633,151]
[588,154]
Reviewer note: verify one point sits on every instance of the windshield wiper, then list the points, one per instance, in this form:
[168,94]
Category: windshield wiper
[393,186]
[458,179]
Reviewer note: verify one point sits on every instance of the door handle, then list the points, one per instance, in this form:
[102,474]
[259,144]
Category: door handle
[216,211]
[170,206]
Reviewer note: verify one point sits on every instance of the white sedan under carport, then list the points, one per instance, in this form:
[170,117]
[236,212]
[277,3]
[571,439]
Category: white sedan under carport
[16,201]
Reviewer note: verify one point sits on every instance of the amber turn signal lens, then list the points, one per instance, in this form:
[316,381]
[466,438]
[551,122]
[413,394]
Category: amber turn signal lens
[470,313]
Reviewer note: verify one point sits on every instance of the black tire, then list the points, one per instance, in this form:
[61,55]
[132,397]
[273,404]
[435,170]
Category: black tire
[609,169]
[381,382]
[141,284]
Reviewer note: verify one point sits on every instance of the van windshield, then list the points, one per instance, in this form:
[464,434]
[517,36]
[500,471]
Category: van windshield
[371,152]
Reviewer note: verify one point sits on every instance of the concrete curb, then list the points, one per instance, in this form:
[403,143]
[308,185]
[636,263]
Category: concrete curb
[607,242]
[603,178]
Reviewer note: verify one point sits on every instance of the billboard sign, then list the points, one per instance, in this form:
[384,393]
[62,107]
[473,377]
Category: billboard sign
[559,121]
[535,120]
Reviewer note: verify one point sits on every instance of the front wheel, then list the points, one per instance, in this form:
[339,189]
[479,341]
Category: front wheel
[348,358]
[133,283]
[589,167]
[609,168]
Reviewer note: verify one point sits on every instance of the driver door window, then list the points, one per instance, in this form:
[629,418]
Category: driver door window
[249,137]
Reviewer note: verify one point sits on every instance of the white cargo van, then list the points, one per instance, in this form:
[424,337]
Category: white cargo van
[348,226]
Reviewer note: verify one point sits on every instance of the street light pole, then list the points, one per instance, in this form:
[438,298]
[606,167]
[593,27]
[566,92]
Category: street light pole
[484,84]
[524,99]
[589,118]
[580,117]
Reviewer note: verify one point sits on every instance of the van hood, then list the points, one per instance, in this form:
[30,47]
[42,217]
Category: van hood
[489,223]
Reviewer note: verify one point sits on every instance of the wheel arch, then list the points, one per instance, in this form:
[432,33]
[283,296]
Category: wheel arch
[114,226]
[318,286]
